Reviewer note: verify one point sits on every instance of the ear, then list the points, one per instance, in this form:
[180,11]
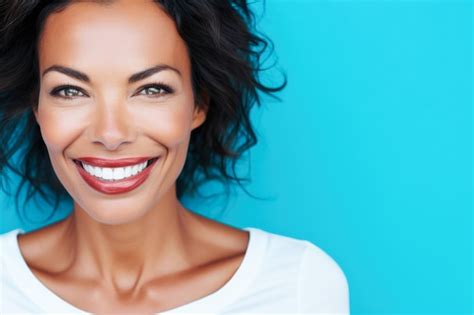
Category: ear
[199,117]
[200,111]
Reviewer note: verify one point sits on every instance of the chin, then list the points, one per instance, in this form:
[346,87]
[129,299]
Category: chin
[115,213]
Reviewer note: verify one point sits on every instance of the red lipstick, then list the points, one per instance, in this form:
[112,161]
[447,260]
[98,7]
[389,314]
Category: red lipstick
[116,186]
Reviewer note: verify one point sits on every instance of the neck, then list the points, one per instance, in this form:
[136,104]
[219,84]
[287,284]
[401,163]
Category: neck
[126,256]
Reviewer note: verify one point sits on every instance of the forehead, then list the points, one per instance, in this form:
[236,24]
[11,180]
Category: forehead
[122,35]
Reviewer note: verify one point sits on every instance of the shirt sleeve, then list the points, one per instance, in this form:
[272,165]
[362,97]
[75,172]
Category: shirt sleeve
[322,285]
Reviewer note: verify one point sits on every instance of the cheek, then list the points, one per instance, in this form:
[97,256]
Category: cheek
[59,127]
[170,126]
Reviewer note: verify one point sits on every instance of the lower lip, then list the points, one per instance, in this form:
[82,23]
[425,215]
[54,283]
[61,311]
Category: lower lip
[119,186]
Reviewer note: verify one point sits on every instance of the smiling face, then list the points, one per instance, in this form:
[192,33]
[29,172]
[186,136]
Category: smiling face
[94,103]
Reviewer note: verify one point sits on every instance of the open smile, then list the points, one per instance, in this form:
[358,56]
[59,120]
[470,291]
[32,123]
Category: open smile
[114,180]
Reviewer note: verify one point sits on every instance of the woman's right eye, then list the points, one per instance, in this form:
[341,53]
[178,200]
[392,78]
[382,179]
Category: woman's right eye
[69,92]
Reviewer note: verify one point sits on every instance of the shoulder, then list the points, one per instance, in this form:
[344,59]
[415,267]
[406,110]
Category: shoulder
[310,257]
[15,289]
[9,250]
[317,261]
[9,257]
[8,243]
[10,234]
[321,284]
[15,251]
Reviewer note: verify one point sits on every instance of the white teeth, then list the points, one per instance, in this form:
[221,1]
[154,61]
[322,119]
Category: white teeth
[128,171]
[107,173]
[119,173]
[98,171]
[115,173]
[134,170]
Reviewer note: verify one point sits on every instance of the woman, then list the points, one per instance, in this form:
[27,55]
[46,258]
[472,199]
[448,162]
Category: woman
[129,99]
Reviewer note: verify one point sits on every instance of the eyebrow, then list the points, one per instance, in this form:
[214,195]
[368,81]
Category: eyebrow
[132,79]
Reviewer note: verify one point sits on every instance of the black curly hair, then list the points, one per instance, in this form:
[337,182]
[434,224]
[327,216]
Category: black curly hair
[223,29]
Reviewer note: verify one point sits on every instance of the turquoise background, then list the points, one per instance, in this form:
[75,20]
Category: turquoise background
[369,154]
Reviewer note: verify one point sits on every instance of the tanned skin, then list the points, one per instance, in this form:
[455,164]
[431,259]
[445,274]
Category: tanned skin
[140,251]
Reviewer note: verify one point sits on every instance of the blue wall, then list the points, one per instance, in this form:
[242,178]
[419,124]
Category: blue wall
[369,154]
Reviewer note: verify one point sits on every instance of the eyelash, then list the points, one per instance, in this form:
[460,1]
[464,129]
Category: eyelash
[161,86]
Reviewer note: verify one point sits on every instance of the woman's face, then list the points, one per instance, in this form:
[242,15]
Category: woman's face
[109,113]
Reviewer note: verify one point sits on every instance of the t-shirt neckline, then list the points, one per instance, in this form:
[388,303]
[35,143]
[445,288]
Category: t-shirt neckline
[213,302]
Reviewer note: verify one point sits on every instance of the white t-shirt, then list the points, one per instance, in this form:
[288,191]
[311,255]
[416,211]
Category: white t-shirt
[278,274]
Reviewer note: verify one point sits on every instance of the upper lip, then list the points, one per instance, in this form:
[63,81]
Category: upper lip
[113,163]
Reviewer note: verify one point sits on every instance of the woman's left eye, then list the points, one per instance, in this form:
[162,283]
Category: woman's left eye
[156,90]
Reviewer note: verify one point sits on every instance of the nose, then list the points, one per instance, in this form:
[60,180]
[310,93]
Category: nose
[112,126]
